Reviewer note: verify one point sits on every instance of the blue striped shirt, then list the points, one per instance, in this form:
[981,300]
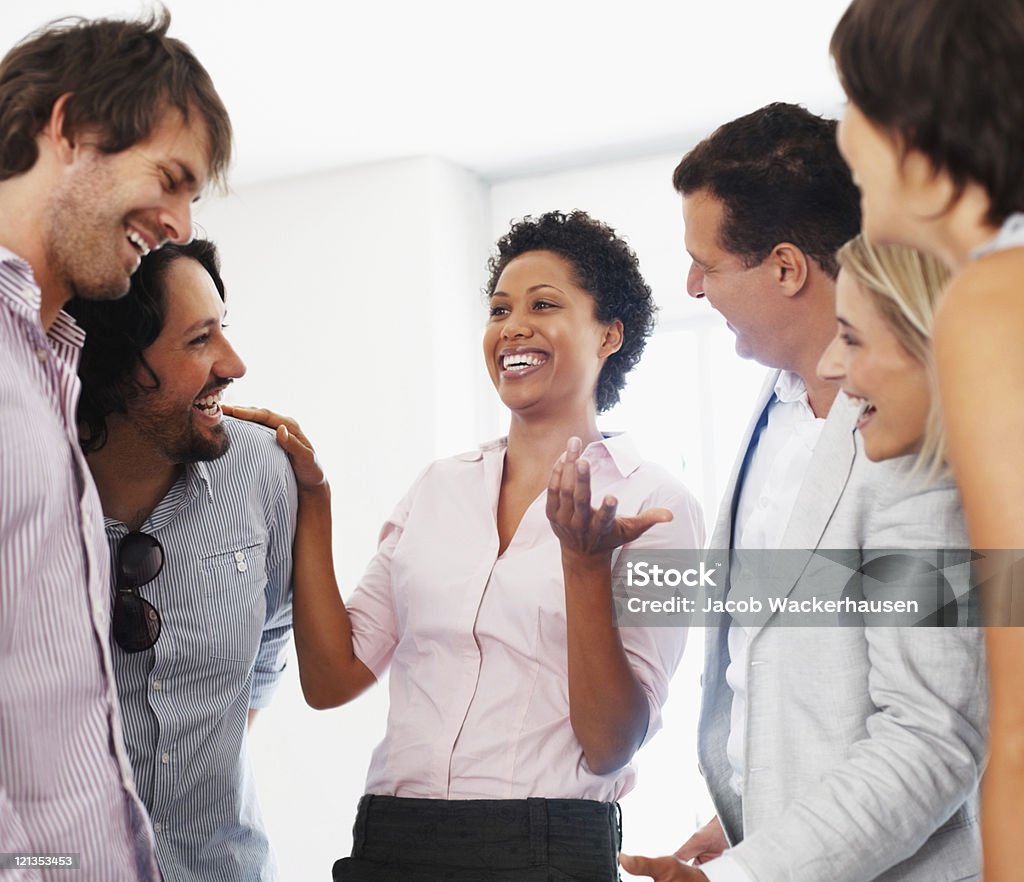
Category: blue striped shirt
[224,598]
[65,782]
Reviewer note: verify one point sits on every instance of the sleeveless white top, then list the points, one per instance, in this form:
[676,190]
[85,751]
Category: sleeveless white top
[1010,235]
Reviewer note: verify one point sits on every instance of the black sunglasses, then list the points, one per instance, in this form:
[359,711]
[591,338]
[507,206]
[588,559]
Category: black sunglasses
[136,623]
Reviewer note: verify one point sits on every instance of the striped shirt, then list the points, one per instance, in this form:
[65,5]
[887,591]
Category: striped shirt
[226,528]
[65,782]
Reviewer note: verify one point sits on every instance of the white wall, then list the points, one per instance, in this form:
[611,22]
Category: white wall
[355,298]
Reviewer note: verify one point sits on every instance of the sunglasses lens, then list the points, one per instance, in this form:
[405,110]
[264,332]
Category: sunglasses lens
[139,559]
[136,623]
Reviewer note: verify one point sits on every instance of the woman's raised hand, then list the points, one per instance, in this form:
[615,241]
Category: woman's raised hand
[580,528]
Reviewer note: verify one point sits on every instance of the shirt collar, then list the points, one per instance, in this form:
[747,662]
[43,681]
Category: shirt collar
[190,486]
[1009,235]
[22,292]
[790,388]
[25,297]
[199,480]
[619,449]
[616,448]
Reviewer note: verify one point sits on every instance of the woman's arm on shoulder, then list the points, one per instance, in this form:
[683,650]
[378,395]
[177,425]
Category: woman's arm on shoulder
[329,671]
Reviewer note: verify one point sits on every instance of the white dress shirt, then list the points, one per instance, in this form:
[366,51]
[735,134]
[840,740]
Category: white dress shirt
[782,454]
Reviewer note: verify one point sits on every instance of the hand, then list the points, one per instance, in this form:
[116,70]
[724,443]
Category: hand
[705,845]
[584,530]
[661,869]
[308,474]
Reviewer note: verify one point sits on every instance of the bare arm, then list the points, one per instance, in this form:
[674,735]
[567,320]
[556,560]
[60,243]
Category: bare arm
[1002,812]
[980,363]
[329,671]
[979,354]
[608,708]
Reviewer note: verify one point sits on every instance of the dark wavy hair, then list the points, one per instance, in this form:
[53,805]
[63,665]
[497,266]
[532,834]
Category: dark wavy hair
[604,266]
[781,178]
[119,331]
[945,77]
[122,76]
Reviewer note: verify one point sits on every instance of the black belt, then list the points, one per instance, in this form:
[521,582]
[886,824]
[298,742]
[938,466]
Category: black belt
[396,838]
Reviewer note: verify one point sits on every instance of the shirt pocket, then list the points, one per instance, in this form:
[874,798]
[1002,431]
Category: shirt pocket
[233,600]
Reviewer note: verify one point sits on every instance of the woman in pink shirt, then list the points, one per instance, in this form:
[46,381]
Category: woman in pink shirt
[516,704]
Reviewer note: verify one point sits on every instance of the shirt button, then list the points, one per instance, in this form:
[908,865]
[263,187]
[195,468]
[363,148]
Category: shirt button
[157,827]
[41,355]
[165,759]
[242,566]
[239,556]
[158,685]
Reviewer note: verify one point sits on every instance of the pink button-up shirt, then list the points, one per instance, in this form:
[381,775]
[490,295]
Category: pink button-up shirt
[479,688]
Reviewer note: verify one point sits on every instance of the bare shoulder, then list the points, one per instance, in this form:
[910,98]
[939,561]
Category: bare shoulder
[987,286]
[983,307]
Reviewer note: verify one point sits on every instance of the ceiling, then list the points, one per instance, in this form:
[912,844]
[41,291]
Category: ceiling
[501,88]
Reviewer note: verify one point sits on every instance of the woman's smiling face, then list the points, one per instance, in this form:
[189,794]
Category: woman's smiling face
[543,345]
[872,366]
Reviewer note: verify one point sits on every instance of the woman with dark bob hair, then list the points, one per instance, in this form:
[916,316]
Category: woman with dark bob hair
[934,133]
[516,704]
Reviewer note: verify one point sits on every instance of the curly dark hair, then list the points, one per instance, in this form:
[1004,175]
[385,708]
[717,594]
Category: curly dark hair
[117,332]
[944,76]
[604,266]
[780,178]
[122,77]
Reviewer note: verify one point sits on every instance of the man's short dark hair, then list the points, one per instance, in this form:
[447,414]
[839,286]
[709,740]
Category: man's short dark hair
[945,77]
[119,331]
[122,76]
[605,267]
[781,178]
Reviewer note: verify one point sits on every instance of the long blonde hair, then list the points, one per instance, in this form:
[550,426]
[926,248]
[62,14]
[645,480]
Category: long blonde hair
[905,285]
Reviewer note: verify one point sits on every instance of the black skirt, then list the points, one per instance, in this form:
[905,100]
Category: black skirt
[482,840]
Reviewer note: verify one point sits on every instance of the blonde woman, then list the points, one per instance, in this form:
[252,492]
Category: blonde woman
[881,356]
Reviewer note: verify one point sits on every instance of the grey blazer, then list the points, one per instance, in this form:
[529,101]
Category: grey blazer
[864,746]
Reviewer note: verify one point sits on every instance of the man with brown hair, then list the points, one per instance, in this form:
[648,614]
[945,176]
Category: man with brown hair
[831,753]
[109,130]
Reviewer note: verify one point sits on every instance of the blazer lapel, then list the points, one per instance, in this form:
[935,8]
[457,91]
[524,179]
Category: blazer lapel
[822,488]
[826,478]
